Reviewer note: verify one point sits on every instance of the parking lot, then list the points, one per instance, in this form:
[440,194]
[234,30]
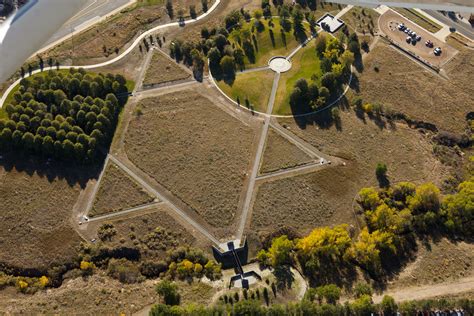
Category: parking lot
[417,44]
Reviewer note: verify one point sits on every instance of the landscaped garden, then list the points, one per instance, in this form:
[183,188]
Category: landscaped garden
[314,67]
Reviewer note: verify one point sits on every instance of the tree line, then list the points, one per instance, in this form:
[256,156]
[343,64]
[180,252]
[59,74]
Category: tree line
[228,47]
[63,115]
[323,301]
[395,216]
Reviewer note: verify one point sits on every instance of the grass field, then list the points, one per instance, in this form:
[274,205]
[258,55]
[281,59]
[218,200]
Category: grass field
[36,201]
[365,141]
[304,202]
[305,64]
[281,154]
[325,197]
[436,262]
[139,231]
[117,192]
[254,86]
[397,82]
[265,48]
[197,151]
[419,19]
[162,69]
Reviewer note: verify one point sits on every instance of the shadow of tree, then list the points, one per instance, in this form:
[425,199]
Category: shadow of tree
[284,276]
[51,169]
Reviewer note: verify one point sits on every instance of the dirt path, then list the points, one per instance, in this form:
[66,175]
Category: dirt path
[429,291]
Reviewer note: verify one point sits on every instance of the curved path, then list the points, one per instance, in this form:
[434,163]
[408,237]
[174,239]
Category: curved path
[122,55]
[267,114]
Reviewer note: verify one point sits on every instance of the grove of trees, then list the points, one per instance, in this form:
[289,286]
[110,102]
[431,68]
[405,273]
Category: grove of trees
[395,216]
[335,64]
[65,115]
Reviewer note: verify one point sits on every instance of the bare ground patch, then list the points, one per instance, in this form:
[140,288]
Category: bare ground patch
[117,192]
[281,154]
[162,69]
[398,83]
[197,151]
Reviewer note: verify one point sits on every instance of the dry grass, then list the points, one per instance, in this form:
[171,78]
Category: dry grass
[197,151]
[35,207]
[325,197]
[364,141]
[195,293]
[98,295]
[460,71]
[102,40]
[162,69]
[458,41]
[437,262]
[305,202]
[402,85]
[136,231]
[362,20]
[281,154]
[117,192]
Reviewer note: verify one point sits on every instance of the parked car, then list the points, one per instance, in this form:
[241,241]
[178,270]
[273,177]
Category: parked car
[429,43]
[437,51]
[407,30]
[418,38]
[409,39]
[401,27]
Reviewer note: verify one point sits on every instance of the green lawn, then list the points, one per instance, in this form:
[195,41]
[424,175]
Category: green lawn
[305,64]
[265,48]
[256,86]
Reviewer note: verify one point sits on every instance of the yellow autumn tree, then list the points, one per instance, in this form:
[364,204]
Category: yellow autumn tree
[366,250]
[426,199]
[326,242]
[369,198]
[198,268]
[386,218]
[44,281]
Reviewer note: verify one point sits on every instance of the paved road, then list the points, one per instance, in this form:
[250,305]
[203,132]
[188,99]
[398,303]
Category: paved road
[93,11]
[460,26]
